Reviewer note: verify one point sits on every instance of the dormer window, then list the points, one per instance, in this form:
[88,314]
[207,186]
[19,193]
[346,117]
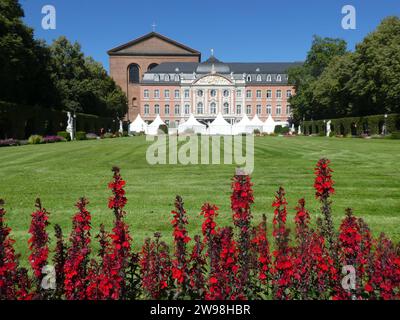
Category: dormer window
[156,77]
[279,78]
[258,70]
[166,77]
[177,78]
[248,78]
[269,78]
[259,77]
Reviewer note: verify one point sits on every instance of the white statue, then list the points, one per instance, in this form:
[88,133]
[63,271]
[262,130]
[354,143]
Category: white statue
[299,130]
[292,129]
[121,129]
[328,128]
[70,125]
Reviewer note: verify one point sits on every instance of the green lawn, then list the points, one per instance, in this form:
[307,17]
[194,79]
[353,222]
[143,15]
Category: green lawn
[367,177]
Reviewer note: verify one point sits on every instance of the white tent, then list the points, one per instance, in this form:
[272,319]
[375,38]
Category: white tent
[257,124]
[269,125]
[138,125]
[243,126]
[192,124]
[152,129]
[220,126]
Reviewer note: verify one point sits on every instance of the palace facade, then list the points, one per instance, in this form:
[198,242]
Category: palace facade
[163,77]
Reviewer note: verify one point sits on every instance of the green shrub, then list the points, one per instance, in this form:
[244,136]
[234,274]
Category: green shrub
[395,135]
[35,139]
[285,130]
[163,128]
[65,135]
[80,135]
[278,129]
[257,132]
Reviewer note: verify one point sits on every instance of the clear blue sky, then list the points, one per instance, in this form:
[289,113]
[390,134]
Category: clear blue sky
[245,30]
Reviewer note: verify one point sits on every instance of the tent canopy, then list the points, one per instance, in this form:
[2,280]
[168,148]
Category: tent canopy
[152,129]
[243,126]
[220,126]
[269,125]
[138,125]
[192,124]
[256,122]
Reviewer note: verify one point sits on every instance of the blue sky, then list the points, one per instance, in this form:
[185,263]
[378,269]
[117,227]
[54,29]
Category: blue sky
[245,30]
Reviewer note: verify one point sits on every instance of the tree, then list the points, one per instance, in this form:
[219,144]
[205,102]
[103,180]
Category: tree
[304,77]
[375,84]
[82,83]
[23,61]
[331,95]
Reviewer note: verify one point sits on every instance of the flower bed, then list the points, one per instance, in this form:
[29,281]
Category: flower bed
[225,263]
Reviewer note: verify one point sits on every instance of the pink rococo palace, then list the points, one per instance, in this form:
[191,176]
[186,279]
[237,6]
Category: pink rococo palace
[163,77]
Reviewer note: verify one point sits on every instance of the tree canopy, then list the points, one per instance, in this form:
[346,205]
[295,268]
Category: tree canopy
[336,83]
[58,76]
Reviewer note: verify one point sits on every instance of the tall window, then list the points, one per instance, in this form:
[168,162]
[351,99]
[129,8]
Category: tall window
[187,93]
[226,93]
[200,108]
[133,72]
[177,109]
[269,109]
[258,94]
[226,108]
[238,109]
[167,109]
[166,94]
[269,94]
[157,93]
[187,108]
[157,109]
[279,94]
[288,109]
[248,109]
[213,93]
[177,94]
[258,109]
[213,108]
[146,93]
[239,93]
[248,94]
[288,93]
[278,109]
[146,109]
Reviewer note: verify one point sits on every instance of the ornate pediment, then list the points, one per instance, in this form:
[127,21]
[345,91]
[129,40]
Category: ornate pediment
[214,80]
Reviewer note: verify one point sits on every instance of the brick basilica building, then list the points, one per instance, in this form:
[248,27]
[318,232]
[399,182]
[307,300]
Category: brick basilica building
[163,77]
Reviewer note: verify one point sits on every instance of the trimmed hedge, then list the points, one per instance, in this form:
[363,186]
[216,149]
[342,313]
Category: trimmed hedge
[20,122]
[355,126]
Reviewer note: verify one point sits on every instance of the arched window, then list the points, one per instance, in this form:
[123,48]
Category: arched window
[166,77]
[213,108]
[226,108]
[200,109]
[133,73]
[259,77]
[156,77]
[248,78]
[177,78]
[279,78]
[152,66]
[269,78]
